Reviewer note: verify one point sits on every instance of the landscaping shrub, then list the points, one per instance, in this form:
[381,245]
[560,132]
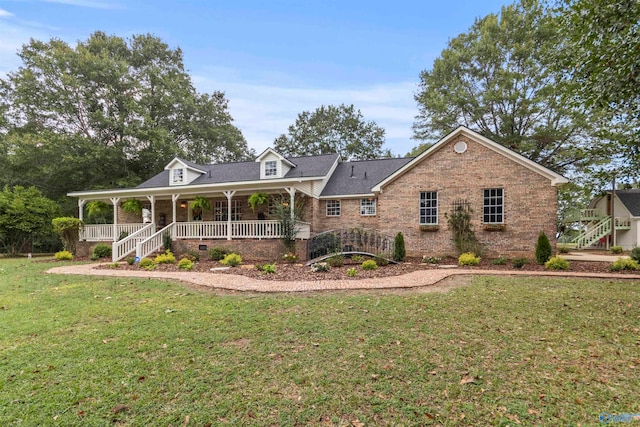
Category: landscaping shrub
[519,262]
[63,256]
[563,249]
[218,253]
[269,268]
[290,257]
[369,265]
[232,260]
[191,255]
[635,254]
[381,260]
[352,272]
[336,261]
[130,260]
[499,261]
[357,258]
[320,267]
[147,264]
[468,258]
[166,258]
[167,242]
[431,259]
[616,249]
[399,251]
[625,264]
[557,263]
[113,265]
[69,230]
[185,264]
[101,250]
[543,249]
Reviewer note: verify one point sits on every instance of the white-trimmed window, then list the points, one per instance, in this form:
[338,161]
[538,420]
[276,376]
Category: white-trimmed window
[220,210]
[333,207]
[428,207]
[271,168]
[493,206]
[178,175]
[367,207]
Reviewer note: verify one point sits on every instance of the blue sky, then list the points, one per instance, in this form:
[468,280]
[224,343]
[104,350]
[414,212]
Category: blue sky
[275,58]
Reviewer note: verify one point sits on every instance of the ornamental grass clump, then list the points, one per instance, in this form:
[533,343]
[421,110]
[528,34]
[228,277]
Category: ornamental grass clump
[625,264]
[232,260]
[557,263]
[468,258]
[63,256]
[320,267]
[616,250]
[352,272]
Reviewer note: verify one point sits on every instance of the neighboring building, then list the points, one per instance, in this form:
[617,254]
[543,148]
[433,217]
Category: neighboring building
[597,218]
[511,199]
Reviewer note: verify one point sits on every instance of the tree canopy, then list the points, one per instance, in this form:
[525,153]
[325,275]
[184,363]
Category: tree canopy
[108,112]
[332,129]
[499,79]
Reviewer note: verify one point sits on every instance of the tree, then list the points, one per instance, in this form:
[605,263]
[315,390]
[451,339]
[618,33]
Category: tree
[602,42]
[24,213]
[332,129]
[499,79]
[115,110]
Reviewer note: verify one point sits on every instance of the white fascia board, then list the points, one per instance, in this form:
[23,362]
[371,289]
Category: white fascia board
[191,189]
[186,166]
[555,178]
[275,153]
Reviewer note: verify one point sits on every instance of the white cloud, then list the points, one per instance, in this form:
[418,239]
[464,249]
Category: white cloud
[5,13]
[264,111]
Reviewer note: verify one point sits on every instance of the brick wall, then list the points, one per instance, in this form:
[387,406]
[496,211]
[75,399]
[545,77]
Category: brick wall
[529,201]
[270,250]
[349,216]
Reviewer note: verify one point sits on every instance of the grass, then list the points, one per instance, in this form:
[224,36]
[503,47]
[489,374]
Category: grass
[502,351]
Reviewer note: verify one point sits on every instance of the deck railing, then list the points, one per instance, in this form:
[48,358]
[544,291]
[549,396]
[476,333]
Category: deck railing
[104,232]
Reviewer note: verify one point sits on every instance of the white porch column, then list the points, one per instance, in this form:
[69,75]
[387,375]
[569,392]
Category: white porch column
[152,200]
[81,203]
[292,199]
[229,194]
[174,199]
[114,201]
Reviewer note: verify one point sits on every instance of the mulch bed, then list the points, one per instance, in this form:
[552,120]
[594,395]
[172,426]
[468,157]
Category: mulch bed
[288,272]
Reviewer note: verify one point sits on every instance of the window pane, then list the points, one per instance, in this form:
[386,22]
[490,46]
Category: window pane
[428,207]
[493,207]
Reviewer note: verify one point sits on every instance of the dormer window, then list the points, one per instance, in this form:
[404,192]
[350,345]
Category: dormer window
[178,175]
[271,168]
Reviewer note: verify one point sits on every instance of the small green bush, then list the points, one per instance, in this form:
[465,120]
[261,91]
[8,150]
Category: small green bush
[185,264]
[543,249]
[320,267]
[63,256]
[191,255]
[499,261]
[369,265]
[563,249]
[290,257]
[468,258]
[269,268]
[130,260]
[232,260]
[113,265]
[357,258]
[336,261]
[624,264]
[147,264]
[519,262]
[352,272]
[218,253]
[381,260]
[102,250]
[556,263]
[616,249]
[431,259]
[635,254]
[399,251]
[167,241]
[165,258]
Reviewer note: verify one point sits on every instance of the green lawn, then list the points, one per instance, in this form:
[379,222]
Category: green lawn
[502,351]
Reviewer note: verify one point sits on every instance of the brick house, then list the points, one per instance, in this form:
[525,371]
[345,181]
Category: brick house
[511,199]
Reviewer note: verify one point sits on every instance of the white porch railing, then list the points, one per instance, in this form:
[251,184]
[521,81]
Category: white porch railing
[201,229]
[591,215]
[104,232]
[623,223]
[254,229]
[124,247]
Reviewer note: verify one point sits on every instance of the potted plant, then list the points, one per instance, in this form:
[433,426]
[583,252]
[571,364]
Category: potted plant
[97,210]
[199,204]
[132,206]
[257,199]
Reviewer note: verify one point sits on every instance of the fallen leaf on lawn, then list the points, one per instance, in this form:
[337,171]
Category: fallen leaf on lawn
[467,379]
[357,423]
[186,420]
[119,408]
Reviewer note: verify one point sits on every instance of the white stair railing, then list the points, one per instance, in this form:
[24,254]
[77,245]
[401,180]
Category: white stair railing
[152,243]
[593,234]
[124,247]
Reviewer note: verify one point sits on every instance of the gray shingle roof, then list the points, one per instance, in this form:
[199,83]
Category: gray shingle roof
[308,166]
[359,177]
[631,200]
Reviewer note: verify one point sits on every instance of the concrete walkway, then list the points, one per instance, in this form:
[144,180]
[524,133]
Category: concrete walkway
[233,282]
